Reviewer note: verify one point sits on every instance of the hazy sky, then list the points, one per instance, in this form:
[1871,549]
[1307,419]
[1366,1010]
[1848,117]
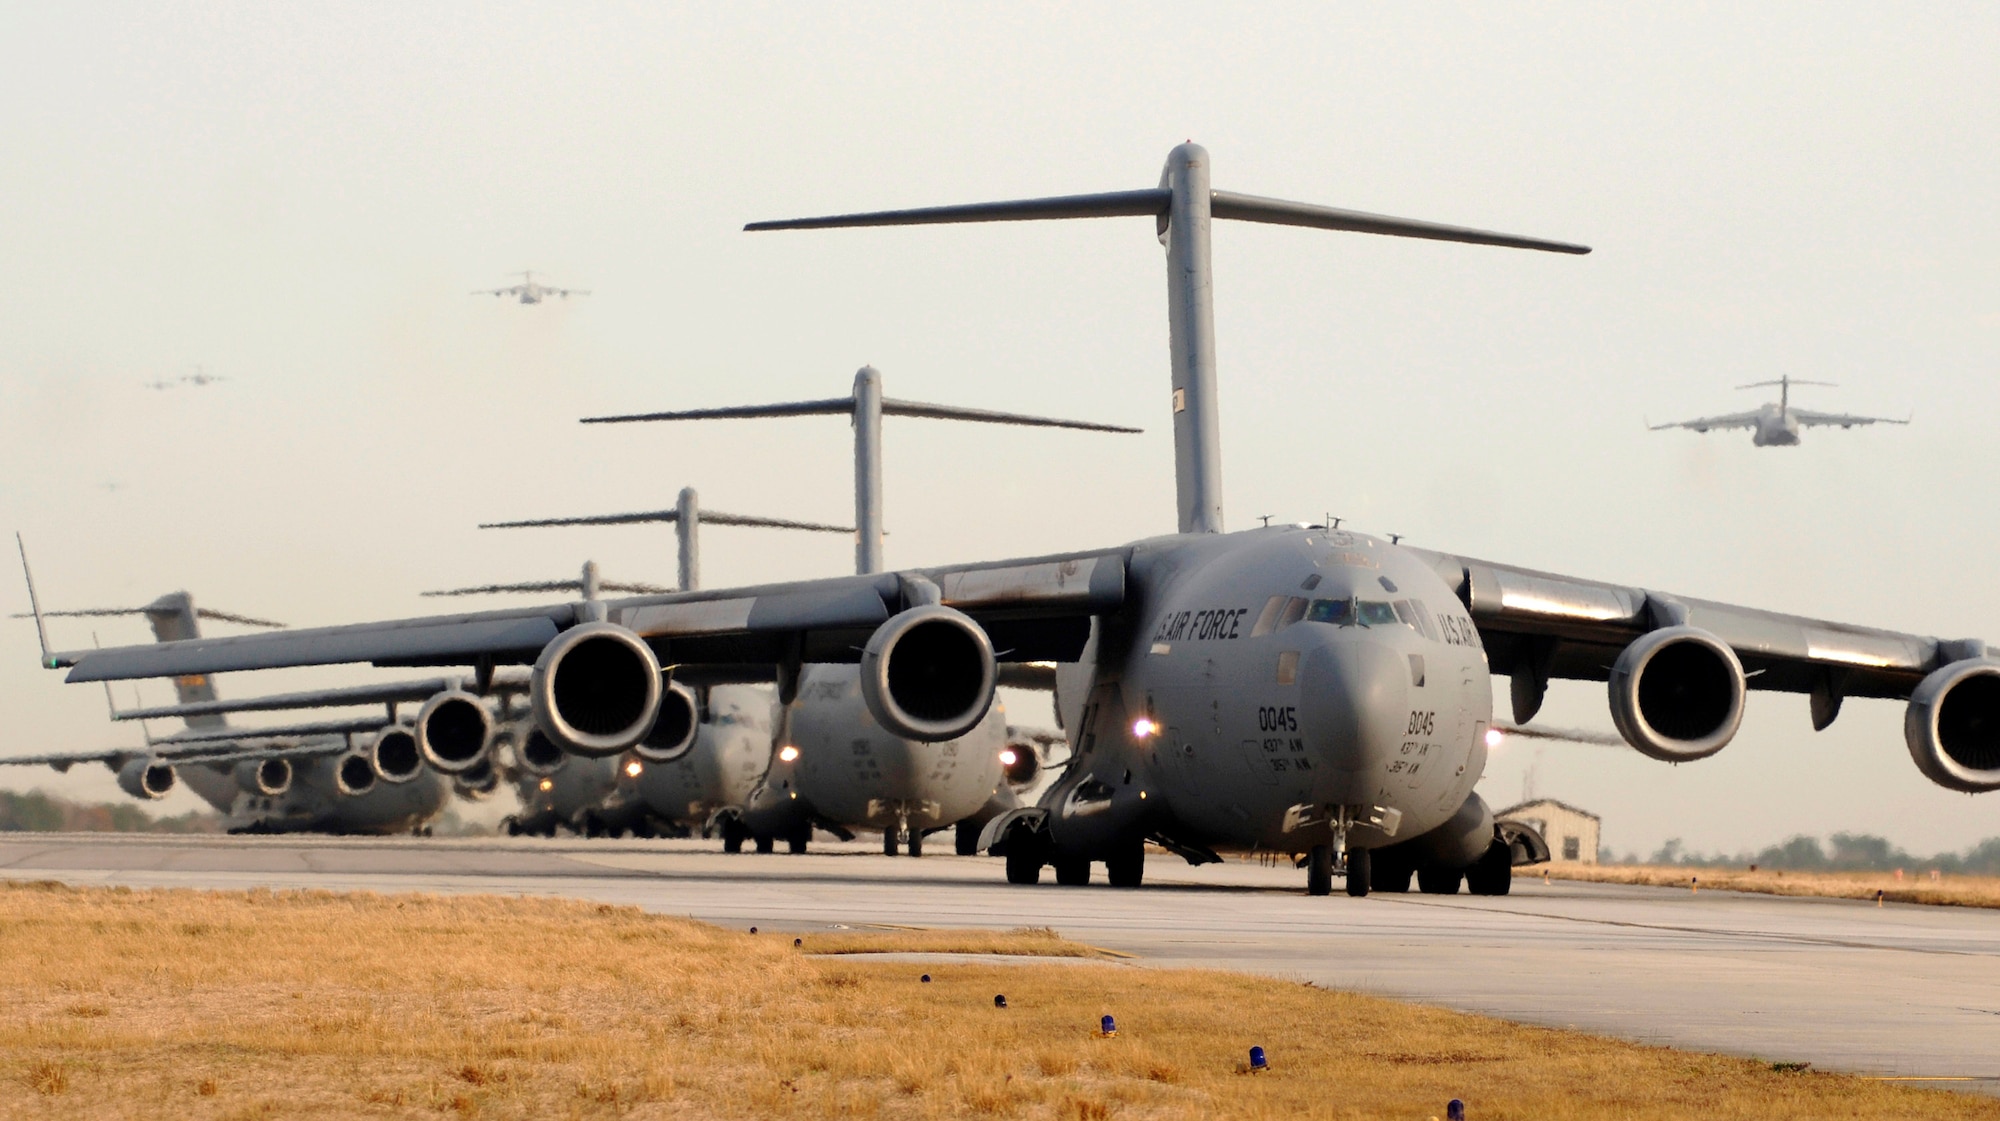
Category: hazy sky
[300,198]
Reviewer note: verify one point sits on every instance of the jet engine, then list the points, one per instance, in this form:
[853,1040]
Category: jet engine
[1677,694]
[928,674]
[479,782]
[147,777]
[354,775]
[453,730]
[393,756]
[595,689]
[268,777]
[674,728]
[1020,763]
[1953,726]
[536,753]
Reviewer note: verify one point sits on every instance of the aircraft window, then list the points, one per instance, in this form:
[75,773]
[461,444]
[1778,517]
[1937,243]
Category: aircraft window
[1409,611]
[1288,667]
[1375,613]
[1267,619]
[1295,609]
[1329,611]
[1388,585]
[1311,582]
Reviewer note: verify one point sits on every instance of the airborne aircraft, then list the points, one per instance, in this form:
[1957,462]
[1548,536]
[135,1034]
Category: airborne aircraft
[1778,424]
[530,290]
[1299,689]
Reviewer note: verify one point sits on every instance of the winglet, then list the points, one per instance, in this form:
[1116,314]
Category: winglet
[49,661]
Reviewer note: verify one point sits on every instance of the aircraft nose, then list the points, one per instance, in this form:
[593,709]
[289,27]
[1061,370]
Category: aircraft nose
[1353,700]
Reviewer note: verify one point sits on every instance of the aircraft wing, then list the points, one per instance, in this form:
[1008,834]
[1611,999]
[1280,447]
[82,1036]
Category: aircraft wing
[1844,420]
[1563,627]
[510,680]
[177,754]
[514,291]
[1034,609]
[1703,424]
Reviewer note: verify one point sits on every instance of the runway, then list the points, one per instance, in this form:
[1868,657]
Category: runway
[1900,990]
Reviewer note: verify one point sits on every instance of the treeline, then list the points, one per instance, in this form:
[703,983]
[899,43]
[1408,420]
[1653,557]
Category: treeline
[37,812]
[1842,852]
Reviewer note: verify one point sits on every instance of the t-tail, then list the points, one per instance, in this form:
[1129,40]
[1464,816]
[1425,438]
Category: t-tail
[1785,383]
[1182,207]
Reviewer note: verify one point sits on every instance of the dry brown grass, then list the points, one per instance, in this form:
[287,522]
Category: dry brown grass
[1914,887]
[1026,941]
[321,1005]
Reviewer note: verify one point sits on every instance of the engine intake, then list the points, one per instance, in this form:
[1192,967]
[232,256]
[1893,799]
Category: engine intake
[268,777]
[595,690]
[454,731]
[673,730]
[537,753]
[147,777]
[1020,763]
[354,775]
[394,756]
[1952,726]
[928,674]
[1677,694]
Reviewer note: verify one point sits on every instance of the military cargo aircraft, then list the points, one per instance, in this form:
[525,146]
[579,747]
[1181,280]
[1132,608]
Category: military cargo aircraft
[530,290]
[1299,689]
[1778,424]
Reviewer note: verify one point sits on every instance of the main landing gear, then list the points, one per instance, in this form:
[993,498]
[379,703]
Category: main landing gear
[1320,863]
[1027,852]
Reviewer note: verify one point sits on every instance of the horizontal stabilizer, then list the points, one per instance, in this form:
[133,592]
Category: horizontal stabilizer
[200,612]
[553,586]
[838,406]
[893,407]
[1113,204]
[1252,208]
[1782,382]
[643,517]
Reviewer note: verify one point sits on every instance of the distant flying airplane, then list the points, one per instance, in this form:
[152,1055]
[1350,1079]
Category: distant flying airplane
[200,377]
[1777,425]
[530,290]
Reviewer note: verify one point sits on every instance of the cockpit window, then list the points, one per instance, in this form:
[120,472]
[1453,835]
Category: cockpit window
[1328,611]
[1279,612]
[1375,613]
[1413,613]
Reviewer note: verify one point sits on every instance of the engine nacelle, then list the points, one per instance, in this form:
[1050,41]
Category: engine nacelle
[147,777]
[536,753]
[354,773]
[1020,763]
[477,783]
[595,689]
[453,731]
[673,729]
[928,674]
[393,756]
[1953,726]
[268,777]
[1677,694]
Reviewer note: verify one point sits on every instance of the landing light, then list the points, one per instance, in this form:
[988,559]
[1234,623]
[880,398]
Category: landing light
[548,784]
[1143,728]
[787,753]
[634,767]
[1495,737]
[1008,757]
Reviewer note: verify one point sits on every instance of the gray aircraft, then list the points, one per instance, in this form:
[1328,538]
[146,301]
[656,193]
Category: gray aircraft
[837,767]
[1778,424]
[1298,689]
[530,290]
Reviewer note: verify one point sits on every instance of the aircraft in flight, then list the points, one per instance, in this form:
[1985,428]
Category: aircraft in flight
[836,767]
[530,290]
[1777,424]
[1299,689]
[200,377]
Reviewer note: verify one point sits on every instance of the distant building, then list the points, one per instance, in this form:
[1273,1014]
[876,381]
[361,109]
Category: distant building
[1570,832]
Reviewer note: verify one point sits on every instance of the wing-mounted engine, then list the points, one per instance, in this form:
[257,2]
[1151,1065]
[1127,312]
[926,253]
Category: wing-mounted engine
[267,777]
[535,753]
[454,731]
[928,674]
[394,757]
[479,783]
[354,774]
[1952,726]
[596,689]
[674,729]
[1677,694]
[147,778]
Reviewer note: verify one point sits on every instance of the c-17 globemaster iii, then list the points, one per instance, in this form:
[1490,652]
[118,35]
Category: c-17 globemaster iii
[1291,689]
[1777,424]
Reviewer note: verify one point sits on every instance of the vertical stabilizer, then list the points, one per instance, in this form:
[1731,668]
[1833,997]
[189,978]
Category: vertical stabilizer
[687,538]
[173,619]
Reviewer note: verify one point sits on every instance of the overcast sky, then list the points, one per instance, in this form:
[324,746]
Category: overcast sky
[299,199]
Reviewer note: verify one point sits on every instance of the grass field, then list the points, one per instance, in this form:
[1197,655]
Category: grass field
[223,1005]
[1917,887]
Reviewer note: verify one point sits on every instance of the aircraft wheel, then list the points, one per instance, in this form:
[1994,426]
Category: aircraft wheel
[733,834]
[916,845]
[889,846]
[1388,874]
[513,828]
[1126,867]
[1358,865]
[766,843]
[1493,874]
[1319,870]
[966,839]
[1072,871]
[800,838]
[1439,881]
[1025,857]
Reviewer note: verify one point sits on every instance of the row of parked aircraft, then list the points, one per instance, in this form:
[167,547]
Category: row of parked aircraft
[1298,689]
